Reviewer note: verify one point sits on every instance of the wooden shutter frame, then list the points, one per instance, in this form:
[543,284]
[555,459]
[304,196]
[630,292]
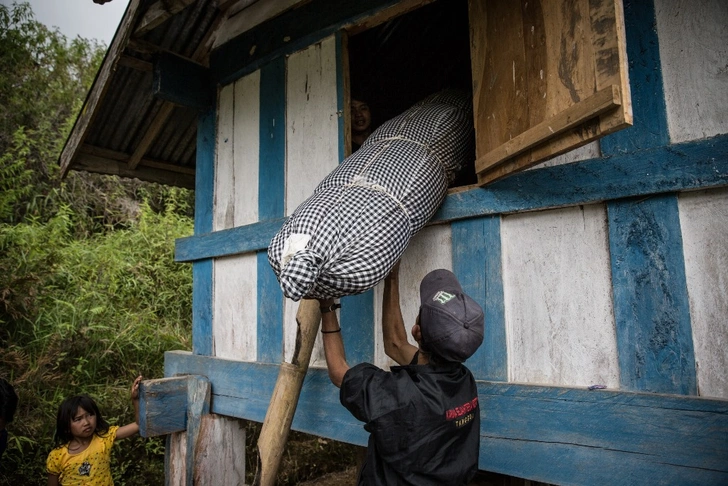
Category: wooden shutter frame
[568,82]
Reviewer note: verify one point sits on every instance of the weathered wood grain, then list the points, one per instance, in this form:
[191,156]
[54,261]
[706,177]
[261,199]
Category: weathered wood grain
[704,228]
[557,292]
[198,405]
[680,167]
[550,434]
[163,406]
[600,102]
[477,261]
[235,318]
[537,59]
[221,443]
[651,307]
[271,205]
[694,59]
[202,271]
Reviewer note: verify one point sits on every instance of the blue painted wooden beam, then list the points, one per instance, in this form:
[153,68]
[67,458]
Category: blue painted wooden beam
[287,33]
[357,322]
[550,434]
[271,206]
[204,201]
[182,82]
[574,436]
[645,79]
[163,406]
[698,164]
[693,165]
[175,404]
[478,240]
[242,239]
[651,308]
[243,390]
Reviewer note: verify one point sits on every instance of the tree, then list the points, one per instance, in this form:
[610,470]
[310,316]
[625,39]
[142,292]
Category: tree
[89,292]
[45,80]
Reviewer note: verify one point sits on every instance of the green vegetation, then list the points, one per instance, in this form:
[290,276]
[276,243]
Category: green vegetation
[89,293]
[86,316]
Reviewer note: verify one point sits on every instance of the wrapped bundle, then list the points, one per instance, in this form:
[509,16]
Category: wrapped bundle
[348,235]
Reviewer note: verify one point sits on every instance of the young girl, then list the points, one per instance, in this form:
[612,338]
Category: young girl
[84,440]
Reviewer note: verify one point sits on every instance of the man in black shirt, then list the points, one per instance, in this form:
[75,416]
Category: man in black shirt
[423,416]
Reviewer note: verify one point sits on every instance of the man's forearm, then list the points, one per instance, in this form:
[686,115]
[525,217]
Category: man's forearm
[333,348]
[394,334]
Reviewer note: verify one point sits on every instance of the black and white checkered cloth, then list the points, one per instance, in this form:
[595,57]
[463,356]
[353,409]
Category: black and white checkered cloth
[360,218]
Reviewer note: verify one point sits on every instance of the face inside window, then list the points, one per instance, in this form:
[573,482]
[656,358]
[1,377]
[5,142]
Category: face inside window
[361,117]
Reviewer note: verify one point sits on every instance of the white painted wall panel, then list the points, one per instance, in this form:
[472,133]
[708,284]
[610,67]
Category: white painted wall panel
[312,124]
[235,311]
[704,223]
[558,301]
[312,145]
[429,250]
[224,208]
[246,148]
[238,141]
[234,326]
[693,36]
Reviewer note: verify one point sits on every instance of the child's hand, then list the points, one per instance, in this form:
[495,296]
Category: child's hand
[135,388]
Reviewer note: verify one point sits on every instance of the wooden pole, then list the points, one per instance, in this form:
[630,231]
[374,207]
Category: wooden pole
[278,419]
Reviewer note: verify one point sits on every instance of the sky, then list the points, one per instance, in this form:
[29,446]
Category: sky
[78,17]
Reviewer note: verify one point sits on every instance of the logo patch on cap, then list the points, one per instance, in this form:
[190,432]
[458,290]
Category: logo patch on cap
[443,297]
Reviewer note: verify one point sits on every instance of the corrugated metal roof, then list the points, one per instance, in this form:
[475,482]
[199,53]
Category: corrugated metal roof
[123,129]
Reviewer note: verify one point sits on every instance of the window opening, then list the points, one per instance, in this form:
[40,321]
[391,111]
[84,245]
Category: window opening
[399,62]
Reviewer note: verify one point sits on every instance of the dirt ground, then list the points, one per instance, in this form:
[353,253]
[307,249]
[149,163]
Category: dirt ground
[349,476]
[342,478]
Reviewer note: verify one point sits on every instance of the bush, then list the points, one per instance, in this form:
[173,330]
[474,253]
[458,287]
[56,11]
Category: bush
[87,316]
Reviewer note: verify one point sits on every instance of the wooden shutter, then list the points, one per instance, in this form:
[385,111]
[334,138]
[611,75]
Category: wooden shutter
[548,76]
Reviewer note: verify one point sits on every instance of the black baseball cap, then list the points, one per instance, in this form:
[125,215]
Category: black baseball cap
[450,321]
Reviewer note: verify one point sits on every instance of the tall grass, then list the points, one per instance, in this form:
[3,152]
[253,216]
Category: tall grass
[87,316]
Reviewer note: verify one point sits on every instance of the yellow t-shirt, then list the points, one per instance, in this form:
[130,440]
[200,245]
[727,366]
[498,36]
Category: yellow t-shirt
[88,468]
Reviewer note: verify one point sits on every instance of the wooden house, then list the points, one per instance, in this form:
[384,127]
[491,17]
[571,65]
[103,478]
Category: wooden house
[592,228]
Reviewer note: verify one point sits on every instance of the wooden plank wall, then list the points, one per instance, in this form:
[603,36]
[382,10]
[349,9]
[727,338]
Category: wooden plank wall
[704,223]
[555,255]
[693,41]
[236,204]
[557,290]
[271,205]
[550,434]
[553,297]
